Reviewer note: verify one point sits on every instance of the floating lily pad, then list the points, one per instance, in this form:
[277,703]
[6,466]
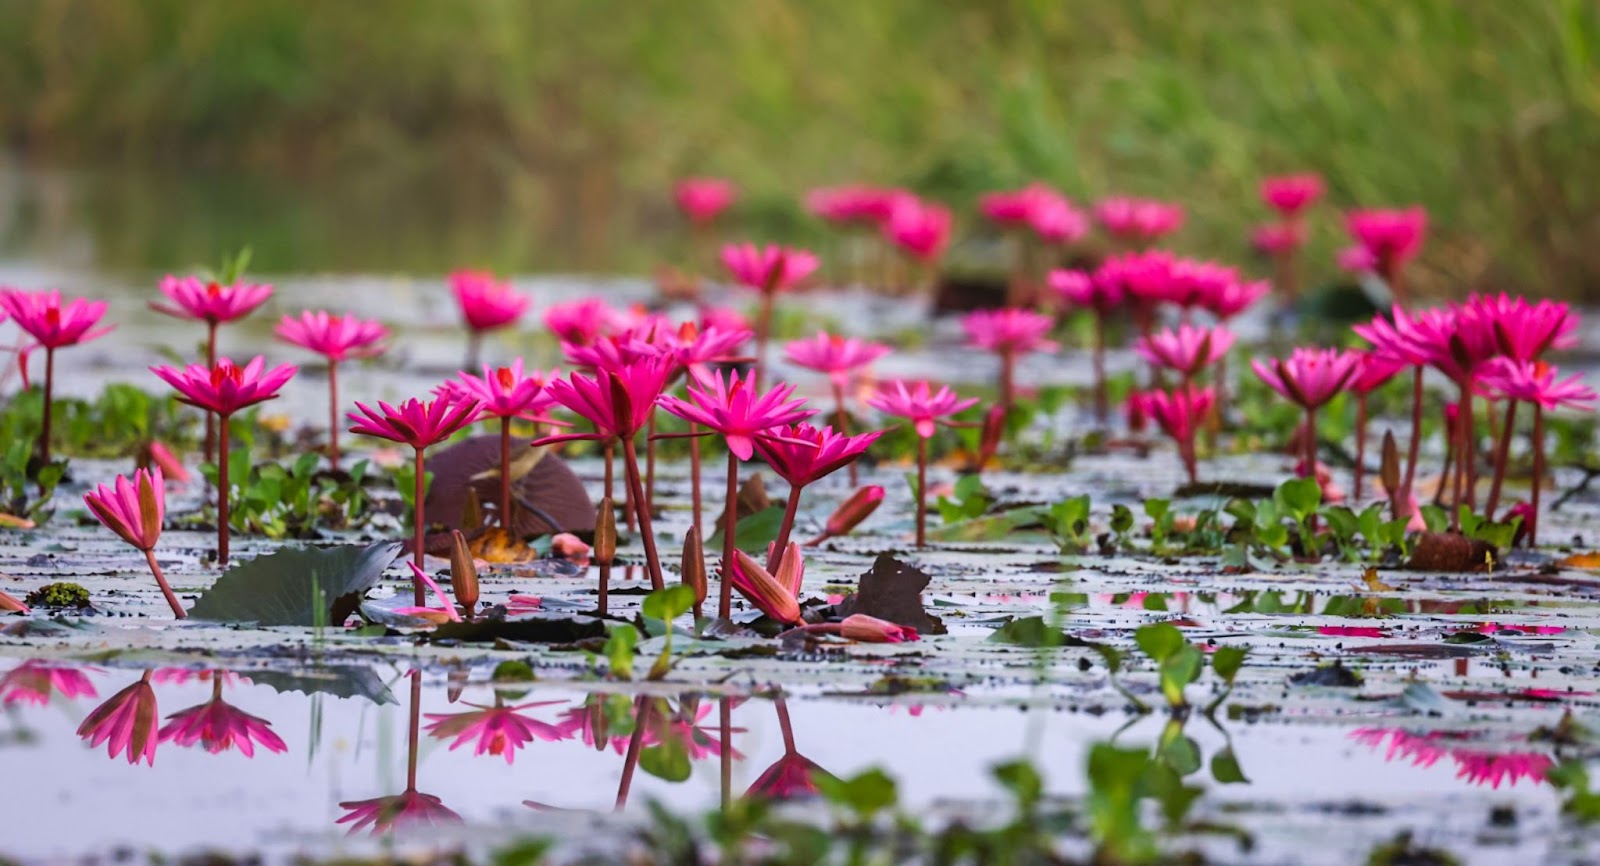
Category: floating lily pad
[303,586]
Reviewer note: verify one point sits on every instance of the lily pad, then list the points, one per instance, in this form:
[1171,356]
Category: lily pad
[892,591]
[303,586]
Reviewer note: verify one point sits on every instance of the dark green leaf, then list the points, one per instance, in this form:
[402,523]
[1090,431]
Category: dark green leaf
[306,586]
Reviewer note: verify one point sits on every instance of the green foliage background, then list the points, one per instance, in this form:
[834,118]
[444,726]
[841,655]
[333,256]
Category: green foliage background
[577,114]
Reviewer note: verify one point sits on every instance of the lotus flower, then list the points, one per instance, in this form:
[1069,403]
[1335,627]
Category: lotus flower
[1180,413]
[218,726]
[862,205]
[52,325]
[209,301]
[1310,378]
[126,723]
[503,393]
[736,409]
[923,408]
[1056,221]
[1390,239]
[486,301]
[134,510]
[34,682]
[804,454]
[584,321]
[1291,194]
[1186,349]
[858,507]
[920,229]
[768,269]
[703,199]
[1138,219]
[496,730]
[337,338]
[1537,383]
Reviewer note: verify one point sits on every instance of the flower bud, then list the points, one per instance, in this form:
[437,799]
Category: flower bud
[762,589]
[693,567]
[569,547]
[605,533]
[463,573]
[10,603]
[852,511]
[791,571]
[870,629]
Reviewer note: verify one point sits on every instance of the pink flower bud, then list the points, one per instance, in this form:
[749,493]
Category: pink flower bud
[870,629]
[852,511]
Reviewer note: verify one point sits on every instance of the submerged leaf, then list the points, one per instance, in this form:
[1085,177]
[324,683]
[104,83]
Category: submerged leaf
[892,590]
[304,586]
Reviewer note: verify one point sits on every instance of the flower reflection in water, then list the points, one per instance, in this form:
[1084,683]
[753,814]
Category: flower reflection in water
[1475,766]
[34,682]
[219,726]
[793,776]
[409,808]
[498,729]
[125,723]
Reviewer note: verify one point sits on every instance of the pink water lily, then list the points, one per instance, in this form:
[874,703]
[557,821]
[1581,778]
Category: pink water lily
[494,730]
[1390,239]
[855,204]
[1310,378]
[802,455]
[408,809]
[210,301]
[736,409]
[486,301]
[336,338]
[924,408]
[126,723]
[1180,414]
[1138,219]
[1538,384]
[703,199]
[584,321]
[52,325]
[761,588]
[920,229]
[35,682]
[218,726]
[135,509]
[834,355]
[1293,193]
[768,269]
[1187,350]
[504,393]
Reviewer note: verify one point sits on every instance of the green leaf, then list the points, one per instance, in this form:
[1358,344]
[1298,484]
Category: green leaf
[341,681]
[1030,631]
[1121,519]
[753,532]
[1299,496]
[865,794]
[1022,780]
[668,604]
[619,650]
[1225,768]
[1156,509]
[1227,661]
[304,586]
[1159,641]
[1182,754]
[669,760]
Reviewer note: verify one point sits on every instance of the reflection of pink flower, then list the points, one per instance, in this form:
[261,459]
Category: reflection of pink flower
[125,723]
[792,776]
[219,726]
[498,730]
[1475,766]
[1351,631]
[34,682]
[407,809]
[1495,627]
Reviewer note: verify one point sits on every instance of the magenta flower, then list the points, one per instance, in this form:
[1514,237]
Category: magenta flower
[919,228]
[209,301]
[736,409]
[419,424]
[1138,219]
[333,336]
[768,269]
[834,355]
[225,387]
[1008,331]
[791,777]
[504,393]
[695,348]
[33,682]
[703,199]
[1536,382]
[1525,331]
[497,730]
[584,321]
[1293,193]
[1015,208]
[1235,297]
[50,323]
[1181,413]
[218,726]
[1310,377]
[134,510]
[804,454]
[125,723]
[1056,221]
[860,205]
[409,809]
[336,338]
[770,593]
[616,401]
[870,629]
[52,326]
[919,404]
[1078,289]
[1390,238]
[486,303]
[1186,349]
[1277,239]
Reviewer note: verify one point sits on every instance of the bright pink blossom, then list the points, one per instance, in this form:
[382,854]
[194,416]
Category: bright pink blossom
[866,205]
[1536,382]
[1008,331]
[1290,194]
[1056,221]
[617,402]
[335,337]
[1310,377]
[919,228]
[51,323]
[1234,298]
[503,392]
[919,403]
[768,269]
[486,301]
[703,199]
[225,387]
[1180,412]
[835,355]
[418,423]
[733,408]
[802,454]
[584,321]
[496,730]
[1140,219]
[210,301]
[1525,330]
[33,682]
[1390,237]
[1079,289]
[219,726]
[1186,349]
[133,509]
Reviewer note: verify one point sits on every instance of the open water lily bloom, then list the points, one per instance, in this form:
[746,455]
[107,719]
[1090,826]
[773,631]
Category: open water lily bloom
[734,408]
[1186,349]
[834,355]
[1291,194]
[52,322]
[334,336]
[703,199]
[768,269]
[210,301]
[617,402]
[1310,377]
[1008,330]
[226,387]
[803,454]
[919,228]
[486,301]
[919,403]
[494,730]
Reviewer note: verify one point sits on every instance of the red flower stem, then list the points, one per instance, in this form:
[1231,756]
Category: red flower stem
[842,419]
[505,474]
[1102,401]
[414,729]
[730,520]
[1361,445]
[694,471]
[1190,462]
[629,763]
[1414,447]
[224,493]
[784,724]
[1502,455]
[1311,444]
[1008,372]
[763,334]
[211,361]
[922,491]
[333,414]
[641,505]
[790,509]
[474,348]
[1469,447]
[1538,471]
[420,525]
[49,392]
[166,589]
[725,723]
[650,463]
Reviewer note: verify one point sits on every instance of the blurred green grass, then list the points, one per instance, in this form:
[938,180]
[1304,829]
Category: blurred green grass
[1485,112]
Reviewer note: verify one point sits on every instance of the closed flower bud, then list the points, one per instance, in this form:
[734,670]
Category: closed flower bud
[693,567]
[870,629]
[763,590]
[791,571]
[12,604]
[463,573]
[605,533]
[852,511]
